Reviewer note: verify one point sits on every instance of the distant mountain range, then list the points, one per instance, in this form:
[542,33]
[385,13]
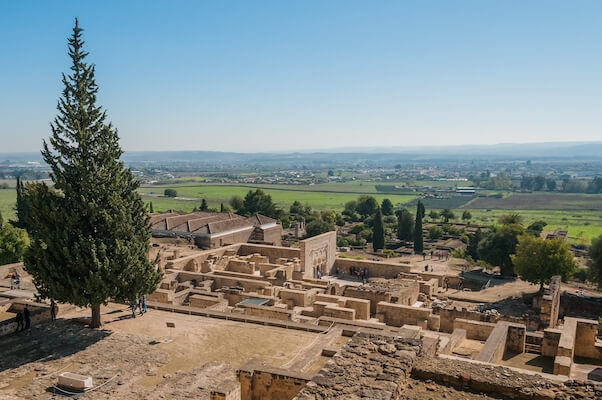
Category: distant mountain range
[568,151]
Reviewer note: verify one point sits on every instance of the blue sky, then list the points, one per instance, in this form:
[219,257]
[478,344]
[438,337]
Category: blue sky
[292,75]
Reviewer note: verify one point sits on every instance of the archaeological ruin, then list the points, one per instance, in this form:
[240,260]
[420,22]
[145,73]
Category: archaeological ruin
[333,327]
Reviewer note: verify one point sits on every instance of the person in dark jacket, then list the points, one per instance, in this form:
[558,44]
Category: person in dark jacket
[27,317]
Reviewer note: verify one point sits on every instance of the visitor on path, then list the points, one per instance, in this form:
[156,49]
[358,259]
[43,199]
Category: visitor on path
[27,317]
[431,254]
[140,306]
[366,274]
[423,256]
[15,281]
[19,320]
[52,310]
[144,304]
[133,308]
[445,284]
[432,268]
[426,268]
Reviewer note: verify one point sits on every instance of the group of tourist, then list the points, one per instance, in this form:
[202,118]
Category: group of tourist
[23,320]
[440,255]
[359,272]
[140,304]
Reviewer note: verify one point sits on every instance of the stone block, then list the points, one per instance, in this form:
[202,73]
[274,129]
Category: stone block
[70,380]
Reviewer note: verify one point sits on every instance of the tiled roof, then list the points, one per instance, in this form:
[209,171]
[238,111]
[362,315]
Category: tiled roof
[204,223]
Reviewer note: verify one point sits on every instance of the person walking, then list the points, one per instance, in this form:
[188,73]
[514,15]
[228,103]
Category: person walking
[144,304]
[27,318]
[133,308]
[19,321]
[53,310]
[140,306]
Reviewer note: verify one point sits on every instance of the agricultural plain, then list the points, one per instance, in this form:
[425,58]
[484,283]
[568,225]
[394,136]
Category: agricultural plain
[580,214]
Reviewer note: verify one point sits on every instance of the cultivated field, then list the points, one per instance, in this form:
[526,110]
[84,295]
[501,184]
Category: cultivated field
[540,201]
[7,203]
[320,197]
[580,224]
[580,214]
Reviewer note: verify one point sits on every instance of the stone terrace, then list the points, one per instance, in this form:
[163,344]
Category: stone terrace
[369,367]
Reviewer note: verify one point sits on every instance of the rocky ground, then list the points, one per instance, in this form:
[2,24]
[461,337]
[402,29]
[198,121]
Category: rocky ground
[429,390]
[139,358]
[496,379]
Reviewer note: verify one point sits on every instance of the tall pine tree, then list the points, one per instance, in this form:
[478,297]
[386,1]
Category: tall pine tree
[378,231]
[418,239]
[91,235]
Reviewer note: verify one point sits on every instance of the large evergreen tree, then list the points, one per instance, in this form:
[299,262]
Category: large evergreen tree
[22,208]
[418,238]
[378,231]
[91,235]
[405,225]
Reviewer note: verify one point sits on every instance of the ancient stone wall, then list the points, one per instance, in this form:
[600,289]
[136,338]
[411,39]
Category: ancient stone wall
[399,315]
[259,382]
[318,253]
[369,366]
[550,304]
[376,269]
[272,252]
[474,329]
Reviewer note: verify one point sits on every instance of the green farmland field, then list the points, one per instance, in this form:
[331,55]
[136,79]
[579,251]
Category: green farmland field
[581,215]
[283,195]
[7,203]
[580,224]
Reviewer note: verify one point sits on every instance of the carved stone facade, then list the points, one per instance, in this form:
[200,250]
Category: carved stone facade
[318,254]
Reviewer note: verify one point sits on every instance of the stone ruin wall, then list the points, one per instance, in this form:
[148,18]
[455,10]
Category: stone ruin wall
[318,252]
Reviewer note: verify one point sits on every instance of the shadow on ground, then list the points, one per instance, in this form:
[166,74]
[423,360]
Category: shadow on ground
[47,341]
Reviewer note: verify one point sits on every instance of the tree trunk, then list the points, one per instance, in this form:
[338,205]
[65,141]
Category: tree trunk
[95,322]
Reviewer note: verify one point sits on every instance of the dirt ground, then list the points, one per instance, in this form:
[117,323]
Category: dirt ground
[140,358]
[429,390]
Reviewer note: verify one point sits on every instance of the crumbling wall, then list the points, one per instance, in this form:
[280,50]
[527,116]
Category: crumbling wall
[259,382]
[376,269]
[550,304]
[370,366]
[399,315]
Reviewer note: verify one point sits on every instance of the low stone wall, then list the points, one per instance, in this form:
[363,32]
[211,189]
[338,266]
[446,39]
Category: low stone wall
[38,314]
[260,382]
[269,312]
[450,314]
[272,252]
[201,301]
[400,315]
[376,269]
[373,297]
[474,329]
[505,336]
[369,366]
[295,298]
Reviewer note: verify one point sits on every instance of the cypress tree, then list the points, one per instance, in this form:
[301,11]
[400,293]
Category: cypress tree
[91,235]
[22,208]
[418,239]
[204,205]
[150,207]
[378,231]
[405,225]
